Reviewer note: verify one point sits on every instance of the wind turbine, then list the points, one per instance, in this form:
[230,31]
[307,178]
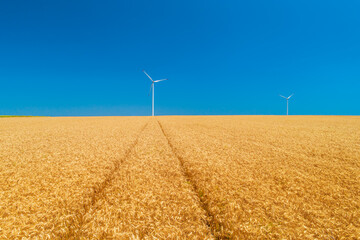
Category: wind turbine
[287,103]
[153,87]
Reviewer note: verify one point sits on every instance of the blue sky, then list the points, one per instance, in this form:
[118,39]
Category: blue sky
[81,58]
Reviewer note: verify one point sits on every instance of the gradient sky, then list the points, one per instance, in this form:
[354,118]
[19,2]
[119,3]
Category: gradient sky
[78,58]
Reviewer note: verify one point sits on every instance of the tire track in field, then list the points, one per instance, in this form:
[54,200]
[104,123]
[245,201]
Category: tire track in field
[211,221]
[98,192]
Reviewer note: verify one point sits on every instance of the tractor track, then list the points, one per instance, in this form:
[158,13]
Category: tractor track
[211,221]
[97,194]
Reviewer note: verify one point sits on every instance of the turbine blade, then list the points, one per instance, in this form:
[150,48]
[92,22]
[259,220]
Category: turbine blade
[160,80]
[151,88]
[148,75]
[290,96]
[283,96]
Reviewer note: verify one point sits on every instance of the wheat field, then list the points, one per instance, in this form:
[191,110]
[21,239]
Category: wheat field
[180,177]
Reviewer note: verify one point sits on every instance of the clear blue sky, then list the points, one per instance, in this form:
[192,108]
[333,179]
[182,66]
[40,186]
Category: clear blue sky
[62,58]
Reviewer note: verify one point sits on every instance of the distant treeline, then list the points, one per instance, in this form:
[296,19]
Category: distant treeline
[3,116]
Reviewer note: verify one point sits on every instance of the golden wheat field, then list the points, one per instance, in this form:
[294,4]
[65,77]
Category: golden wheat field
[180,177]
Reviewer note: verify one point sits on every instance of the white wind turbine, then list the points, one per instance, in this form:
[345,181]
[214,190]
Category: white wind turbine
[153,87]
[287,103]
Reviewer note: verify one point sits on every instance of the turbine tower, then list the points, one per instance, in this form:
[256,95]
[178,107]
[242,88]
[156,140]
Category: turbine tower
[153,91]
[287,103]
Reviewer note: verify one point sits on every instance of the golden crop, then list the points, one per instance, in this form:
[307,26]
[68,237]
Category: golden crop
[235,177]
